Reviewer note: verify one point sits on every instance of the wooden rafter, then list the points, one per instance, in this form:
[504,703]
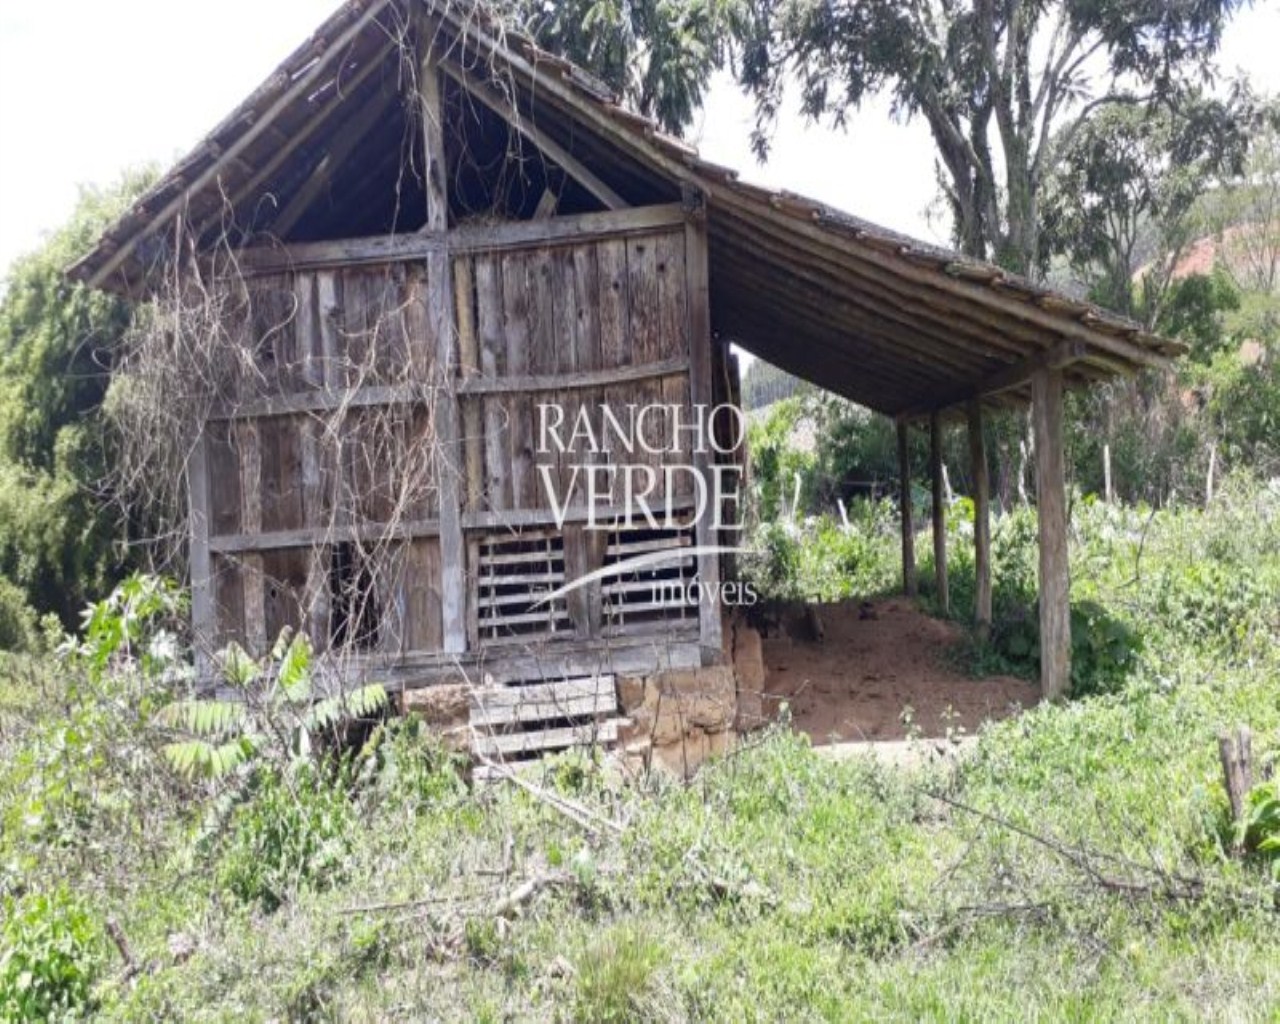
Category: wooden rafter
[210,175]
[549,148]
[349,136]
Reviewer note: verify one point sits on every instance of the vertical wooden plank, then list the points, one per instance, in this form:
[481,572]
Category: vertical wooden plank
[489,306]
[284,576]
[644,303]
[328,312]
[939,513]
[981,523]
[469,364]
[307,326]
[674,337]
[393,600]
[614,315]
[575,567]
[909,586]
[440,307]
[614,307]
[255,626]
[424,627]
[223,463]
[1051,502]
[700,385]
[203,614]
[517,283]
[585,306]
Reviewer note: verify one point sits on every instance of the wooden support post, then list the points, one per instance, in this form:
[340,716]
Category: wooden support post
[440,316]
[939,513]
[1235,751]
[904,502]
[981,524]
[700,389]
[1051,501]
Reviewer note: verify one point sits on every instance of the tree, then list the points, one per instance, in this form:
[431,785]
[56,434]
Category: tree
[57,541]
[1124,198]
[1002,84]
[657,54]
[1247,216]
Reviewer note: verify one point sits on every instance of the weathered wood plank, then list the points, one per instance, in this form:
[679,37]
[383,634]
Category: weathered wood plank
[547,739]
[364,533]
[440,317]
[1051,503]
[204,623]
[517,284]
[247,442]
[577,381]
[493,359]
[464,239]
[700,391]
[469,369]
[596,687]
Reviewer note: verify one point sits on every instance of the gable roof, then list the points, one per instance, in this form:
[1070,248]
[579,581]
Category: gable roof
[893,323]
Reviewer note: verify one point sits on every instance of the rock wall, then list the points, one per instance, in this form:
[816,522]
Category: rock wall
[671,722]
[674,721]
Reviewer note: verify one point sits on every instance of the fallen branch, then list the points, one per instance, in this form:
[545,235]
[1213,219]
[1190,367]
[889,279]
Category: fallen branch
[528,889]
[1173,887]
[575,812]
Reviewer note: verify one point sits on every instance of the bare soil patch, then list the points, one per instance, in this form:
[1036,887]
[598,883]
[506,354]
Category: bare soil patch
[875,660]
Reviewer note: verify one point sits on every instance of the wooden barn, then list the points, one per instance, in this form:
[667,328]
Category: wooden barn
[423,232]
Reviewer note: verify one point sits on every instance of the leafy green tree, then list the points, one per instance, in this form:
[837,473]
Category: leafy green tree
[1124,200]
[57,541]
[1002,84]
[1246,217]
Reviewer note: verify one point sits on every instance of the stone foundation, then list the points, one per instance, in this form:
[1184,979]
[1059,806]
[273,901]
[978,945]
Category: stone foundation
[446,710]
[674,721]
[670,722]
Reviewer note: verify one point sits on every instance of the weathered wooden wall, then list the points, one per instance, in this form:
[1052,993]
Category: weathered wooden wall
[326,449]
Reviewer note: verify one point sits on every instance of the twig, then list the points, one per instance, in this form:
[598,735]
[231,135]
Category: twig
[528,889]
[575,812]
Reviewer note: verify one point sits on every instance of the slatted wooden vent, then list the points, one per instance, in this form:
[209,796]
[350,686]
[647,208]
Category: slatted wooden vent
[657,592]
[514,722]
[516,570]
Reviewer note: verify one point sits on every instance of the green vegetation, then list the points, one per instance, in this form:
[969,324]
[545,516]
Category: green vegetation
[1082,863]
[60,544]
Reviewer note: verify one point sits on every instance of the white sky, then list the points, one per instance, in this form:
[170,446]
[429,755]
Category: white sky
[90,87]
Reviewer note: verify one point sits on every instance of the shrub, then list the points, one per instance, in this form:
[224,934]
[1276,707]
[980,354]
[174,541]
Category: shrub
[52,954]
[1260,829]
[294,832]
[18,631]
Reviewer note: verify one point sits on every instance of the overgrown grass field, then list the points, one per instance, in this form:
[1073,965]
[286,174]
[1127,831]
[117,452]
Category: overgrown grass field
[1082,864]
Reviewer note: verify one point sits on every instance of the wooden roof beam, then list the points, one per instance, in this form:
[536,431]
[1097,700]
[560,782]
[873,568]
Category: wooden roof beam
[525,127]
[822,228]
[349,135]
[298,88]
[1057,358]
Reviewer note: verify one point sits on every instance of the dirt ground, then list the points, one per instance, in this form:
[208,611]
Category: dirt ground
[875,660]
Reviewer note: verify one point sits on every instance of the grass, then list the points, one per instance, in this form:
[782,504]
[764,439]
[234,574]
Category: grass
[1079,866]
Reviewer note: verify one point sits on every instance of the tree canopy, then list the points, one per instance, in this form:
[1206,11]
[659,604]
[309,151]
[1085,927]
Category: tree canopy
[56,343]
[1002,84]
